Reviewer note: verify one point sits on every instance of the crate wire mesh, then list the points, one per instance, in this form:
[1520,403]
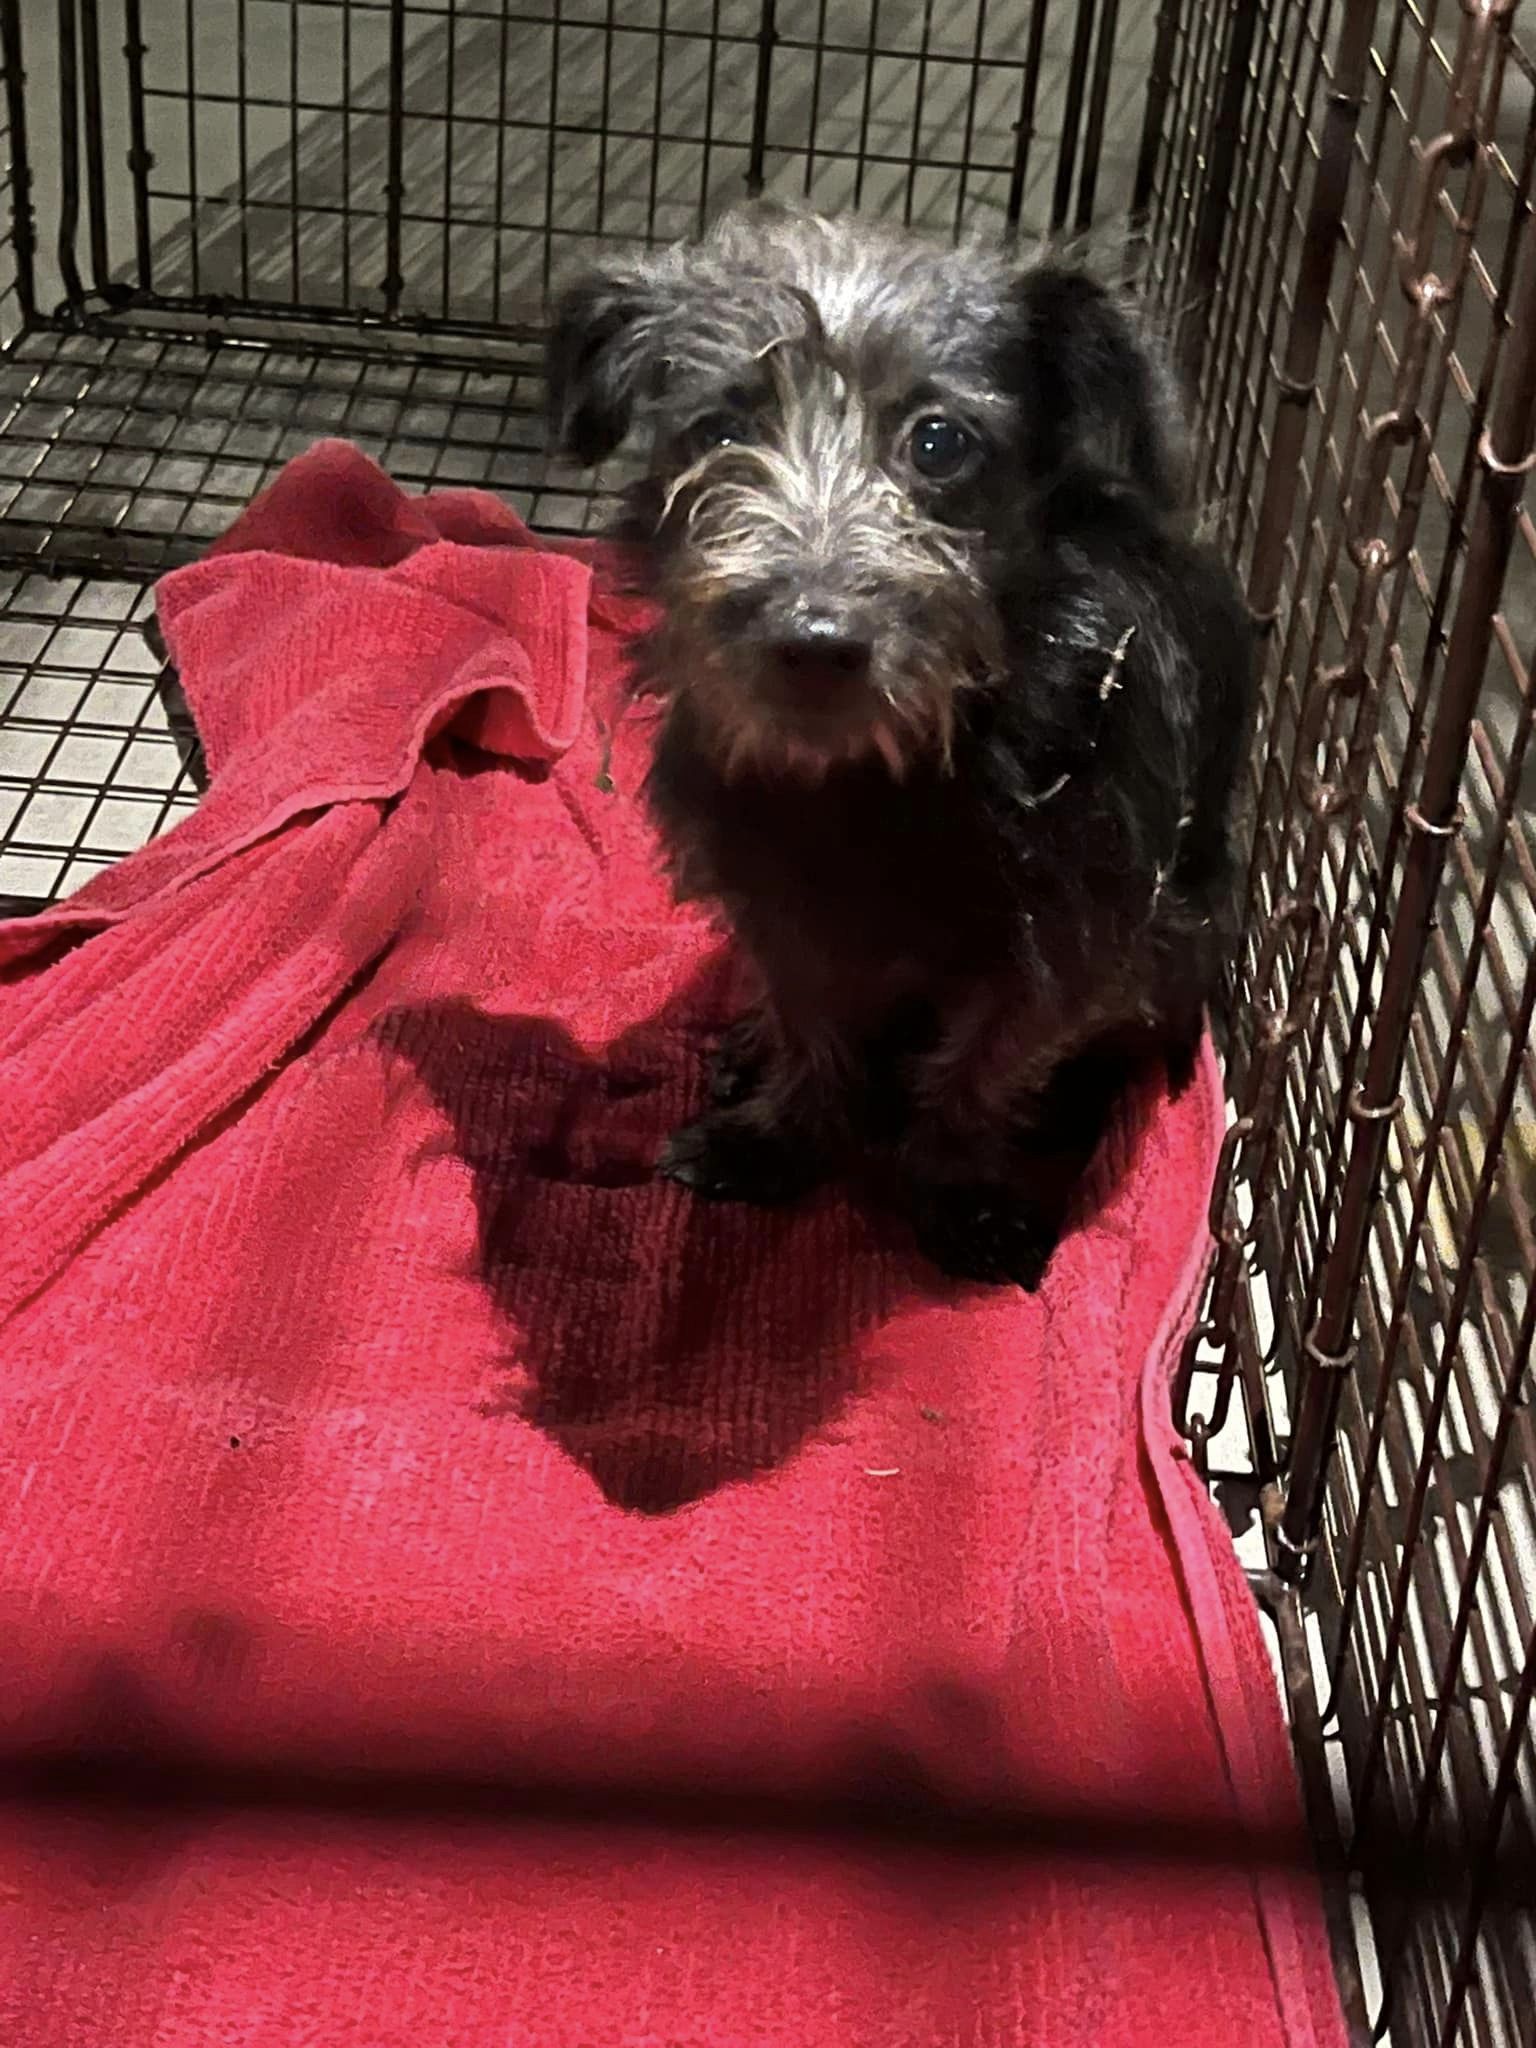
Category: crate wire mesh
[413,173]
[97,754]
[237,225]
[1367,385]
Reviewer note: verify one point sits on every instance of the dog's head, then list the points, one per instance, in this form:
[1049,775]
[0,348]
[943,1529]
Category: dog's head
[843,419]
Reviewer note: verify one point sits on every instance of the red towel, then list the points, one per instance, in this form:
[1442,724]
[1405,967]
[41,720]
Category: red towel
[456,1588]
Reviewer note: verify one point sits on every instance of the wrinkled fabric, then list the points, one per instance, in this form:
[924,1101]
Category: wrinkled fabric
[457,1588]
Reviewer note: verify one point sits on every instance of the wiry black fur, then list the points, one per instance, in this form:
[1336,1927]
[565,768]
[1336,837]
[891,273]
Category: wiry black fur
[963,962]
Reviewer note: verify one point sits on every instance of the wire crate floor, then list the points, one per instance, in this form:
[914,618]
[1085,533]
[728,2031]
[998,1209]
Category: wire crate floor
[122,456]
[96,755]
[137,449]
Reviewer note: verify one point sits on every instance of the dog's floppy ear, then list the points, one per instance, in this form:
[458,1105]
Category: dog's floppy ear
[1090,385]
[601,350]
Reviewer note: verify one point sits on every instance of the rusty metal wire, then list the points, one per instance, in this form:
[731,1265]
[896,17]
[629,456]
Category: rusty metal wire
[1368,399]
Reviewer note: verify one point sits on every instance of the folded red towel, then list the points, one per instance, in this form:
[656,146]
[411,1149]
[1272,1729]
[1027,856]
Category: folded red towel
[491,1596]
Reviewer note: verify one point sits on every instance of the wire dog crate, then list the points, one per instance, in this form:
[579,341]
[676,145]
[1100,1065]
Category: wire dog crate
[236,226]
[1365,363]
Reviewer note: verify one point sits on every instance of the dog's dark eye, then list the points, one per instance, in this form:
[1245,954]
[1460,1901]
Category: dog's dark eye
[719,430]
[939,448]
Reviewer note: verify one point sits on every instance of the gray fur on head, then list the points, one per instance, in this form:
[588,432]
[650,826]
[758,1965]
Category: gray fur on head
[781,365]
[653,334]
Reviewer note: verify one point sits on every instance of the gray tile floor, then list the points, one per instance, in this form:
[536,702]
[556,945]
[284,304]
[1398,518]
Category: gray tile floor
[545,121]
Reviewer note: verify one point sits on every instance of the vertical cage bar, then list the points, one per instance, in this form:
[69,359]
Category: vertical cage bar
[295,263]
[1072,113]
[867,109]
[95,142]
[551,161]
[658,122]
[392,283]
[140,161]
[813,119]
[1296,86]
[499,170]
[23,226]
[1216,192]
[450,151]
[605,119]
[194,196]
[1230,355]
[243,141]
[919,94]
[1098,105]
[973,95]
[1024,124]
[69,157]
[1154,119]
[1296,375]
[757,148]
[345,225]
[707,154]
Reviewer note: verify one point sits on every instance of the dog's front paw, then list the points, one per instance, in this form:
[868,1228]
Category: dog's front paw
[727,1159]
[988,1234]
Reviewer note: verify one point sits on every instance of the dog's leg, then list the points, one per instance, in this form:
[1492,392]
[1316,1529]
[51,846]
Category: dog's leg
[985,1231]
[1013,1119]
[980,1202]
[1184,1034]
[776,1104]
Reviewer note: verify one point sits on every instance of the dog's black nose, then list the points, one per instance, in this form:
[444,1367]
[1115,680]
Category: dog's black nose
[818,645]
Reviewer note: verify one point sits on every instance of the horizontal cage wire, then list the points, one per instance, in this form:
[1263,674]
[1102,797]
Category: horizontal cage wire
[1345,409]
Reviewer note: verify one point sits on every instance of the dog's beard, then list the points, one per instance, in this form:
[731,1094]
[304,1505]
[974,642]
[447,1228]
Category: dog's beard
[744,532]
[904,710]
[905,713]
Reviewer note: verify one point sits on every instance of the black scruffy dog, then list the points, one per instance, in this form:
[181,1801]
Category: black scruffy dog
[953,701]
